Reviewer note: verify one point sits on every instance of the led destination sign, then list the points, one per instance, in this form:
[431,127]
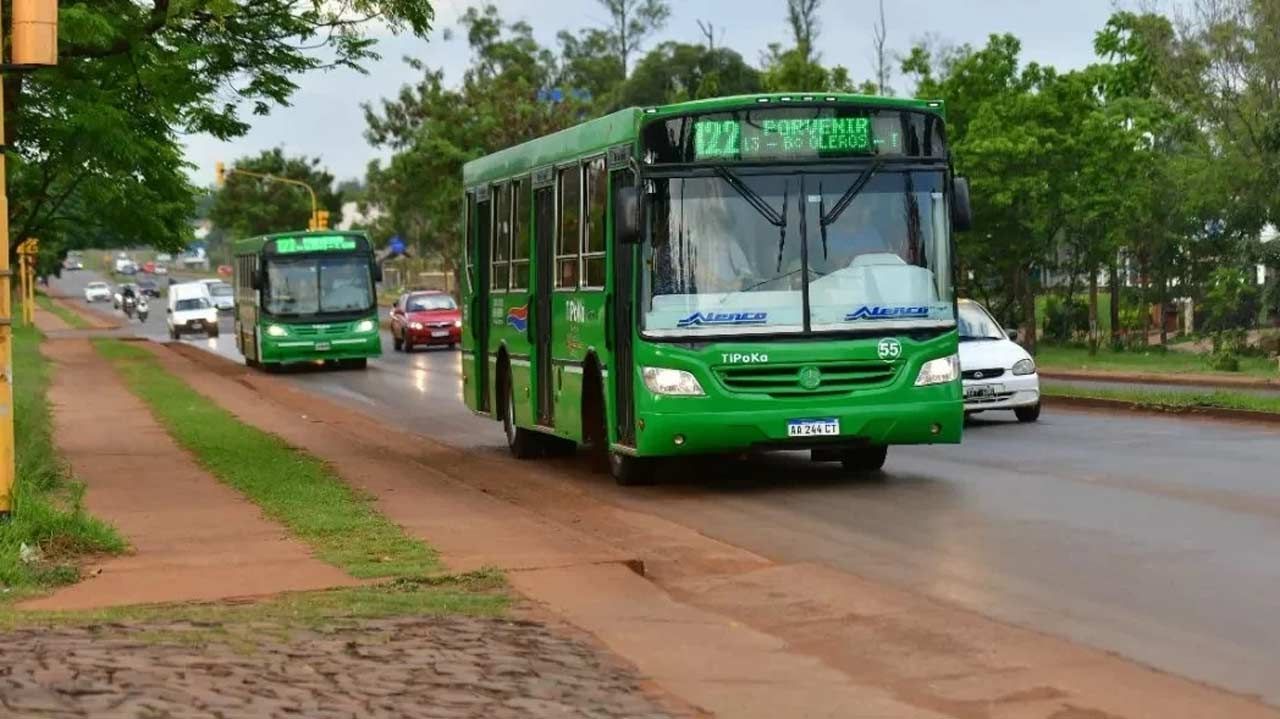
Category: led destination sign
[803,137]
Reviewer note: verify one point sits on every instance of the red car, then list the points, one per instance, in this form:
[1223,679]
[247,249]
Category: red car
[425,318]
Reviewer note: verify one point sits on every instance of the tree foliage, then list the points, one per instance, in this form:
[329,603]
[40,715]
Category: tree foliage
[247,206]
[97,159]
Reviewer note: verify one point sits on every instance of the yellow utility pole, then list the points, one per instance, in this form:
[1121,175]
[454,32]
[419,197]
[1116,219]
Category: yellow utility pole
[319,217]
[34,43]
[28,252]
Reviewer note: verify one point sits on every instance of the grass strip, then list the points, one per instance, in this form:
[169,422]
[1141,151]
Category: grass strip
[1050,357]
[1168,400]
[291,486]
[480,593]
[72,319]
[48,512]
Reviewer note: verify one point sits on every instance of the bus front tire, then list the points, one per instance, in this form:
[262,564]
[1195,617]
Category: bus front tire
[523,443]
[865,459]
[629,471]
[359,363]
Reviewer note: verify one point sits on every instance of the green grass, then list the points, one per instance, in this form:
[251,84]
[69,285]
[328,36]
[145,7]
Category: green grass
[72,319]
[290,486]
[479,593]
[1050,357]
[1169,400]
[47,511]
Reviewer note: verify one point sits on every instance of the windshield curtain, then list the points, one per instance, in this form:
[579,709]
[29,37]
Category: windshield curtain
[724,255]
[977,325]
[318,285]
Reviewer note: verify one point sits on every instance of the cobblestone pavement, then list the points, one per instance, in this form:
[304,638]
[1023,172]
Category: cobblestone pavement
[410,668]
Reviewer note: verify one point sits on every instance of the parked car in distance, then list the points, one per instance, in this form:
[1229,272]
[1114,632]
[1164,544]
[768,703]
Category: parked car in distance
[222,294]
[72,262]
[425,318]
[996,372]
[191,310]
[150,288]
[149,267]
[164,257]
[224,270]
[161,269]
[97,292]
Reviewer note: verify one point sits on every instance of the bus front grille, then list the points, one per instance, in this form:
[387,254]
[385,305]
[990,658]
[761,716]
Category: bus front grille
[795,380]
[314,330]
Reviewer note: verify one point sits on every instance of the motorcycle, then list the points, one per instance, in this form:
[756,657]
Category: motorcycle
[143,309]
[129,305]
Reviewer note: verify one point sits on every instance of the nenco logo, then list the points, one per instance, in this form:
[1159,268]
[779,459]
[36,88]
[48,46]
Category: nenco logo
[699,319]
[744,358]
[876,312]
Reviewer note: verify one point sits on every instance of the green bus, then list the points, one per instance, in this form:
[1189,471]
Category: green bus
[766,272]
[307,297]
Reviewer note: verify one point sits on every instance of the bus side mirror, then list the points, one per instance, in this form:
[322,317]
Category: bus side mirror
[377,273]
[626,216]
[961,211]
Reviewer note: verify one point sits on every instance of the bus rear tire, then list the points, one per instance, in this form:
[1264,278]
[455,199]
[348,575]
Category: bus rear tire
[359,363]
[866,459]
[523,443]
[629,471]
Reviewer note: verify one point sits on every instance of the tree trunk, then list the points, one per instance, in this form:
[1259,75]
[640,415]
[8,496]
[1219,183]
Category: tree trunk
[1093,311]
[1114,281]
[1164,301]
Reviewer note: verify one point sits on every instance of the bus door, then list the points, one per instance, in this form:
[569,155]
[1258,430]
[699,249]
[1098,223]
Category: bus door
[544,243]
[622,322]
[480,242]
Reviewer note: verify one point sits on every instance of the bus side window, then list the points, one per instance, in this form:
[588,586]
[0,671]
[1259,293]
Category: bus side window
[593,245]
[570,244]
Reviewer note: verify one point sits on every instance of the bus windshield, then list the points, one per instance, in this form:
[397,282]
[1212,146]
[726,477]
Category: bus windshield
[318,285]
[724,254]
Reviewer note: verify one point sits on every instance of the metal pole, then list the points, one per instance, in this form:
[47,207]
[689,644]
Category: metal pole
[30,303]
[7,459]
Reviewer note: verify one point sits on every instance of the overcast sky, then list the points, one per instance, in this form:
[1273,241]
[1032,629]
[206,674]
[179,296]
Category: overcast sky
[325,119]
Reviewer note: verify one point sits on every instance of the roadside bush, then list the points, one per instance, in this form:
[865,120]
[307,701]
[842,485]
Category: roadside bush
[1065,319]
[1269,344]
[1232,301]
[1228,345]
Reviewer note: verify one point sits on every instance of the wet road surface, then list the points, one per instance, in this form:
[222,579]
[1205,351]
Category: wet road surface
[1156,538]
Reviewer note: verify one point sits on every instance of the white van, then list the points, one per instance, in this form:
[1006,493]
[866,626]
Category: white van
[191,310]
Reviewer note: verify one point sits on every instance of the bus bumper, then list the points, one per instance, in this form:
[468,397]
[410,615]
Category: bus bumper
[684,433]
[294,349]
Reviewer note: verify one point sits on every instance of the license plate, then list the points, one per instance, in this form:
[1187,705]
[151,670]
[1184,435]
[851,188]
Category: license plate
[440,333]
[982,391]
[813,427]
[322,346]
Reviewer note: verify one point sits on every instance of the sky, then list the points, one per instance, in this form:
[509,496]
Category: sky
[325,118]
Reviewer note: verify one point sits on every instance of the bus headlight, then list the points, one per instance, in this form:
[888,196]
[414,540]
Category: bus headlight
[277,331]
[1026,366]
[366,326]
[939,371]
[675,382]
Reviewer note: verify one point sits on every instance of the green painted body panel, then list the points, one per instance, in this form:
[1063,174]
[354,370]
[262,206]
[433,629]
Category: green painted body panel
[892,411]
[308,340]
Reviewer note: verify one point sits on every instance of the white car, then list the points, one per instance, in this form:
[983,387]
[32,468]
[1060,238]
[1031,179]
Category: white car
[161,270]
[97,292]
[996,372]
[191,310]
[222,294]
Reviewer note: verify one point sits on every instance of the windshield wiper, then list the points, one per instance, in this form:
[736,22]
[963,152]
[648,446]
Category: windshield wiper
[761,205]
[843,203]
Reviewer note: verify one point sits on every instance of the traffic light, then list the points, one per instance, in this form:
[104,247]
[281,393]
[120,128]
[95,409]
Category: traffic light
[219,173]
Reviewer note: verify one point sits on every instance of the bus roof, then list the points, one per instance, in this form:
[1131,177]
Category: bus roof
[254,245]
[596,136]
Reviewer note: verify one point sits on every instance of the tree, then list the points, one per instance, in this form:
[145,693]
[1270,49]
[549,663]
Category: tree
[433,129]
[247,206]
[631,22]
[97,158]
[802,15]
[674,72]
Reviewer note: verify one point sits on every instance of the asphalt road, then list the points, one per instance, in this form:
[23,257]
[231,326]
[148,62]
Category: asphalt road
[1156,538]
